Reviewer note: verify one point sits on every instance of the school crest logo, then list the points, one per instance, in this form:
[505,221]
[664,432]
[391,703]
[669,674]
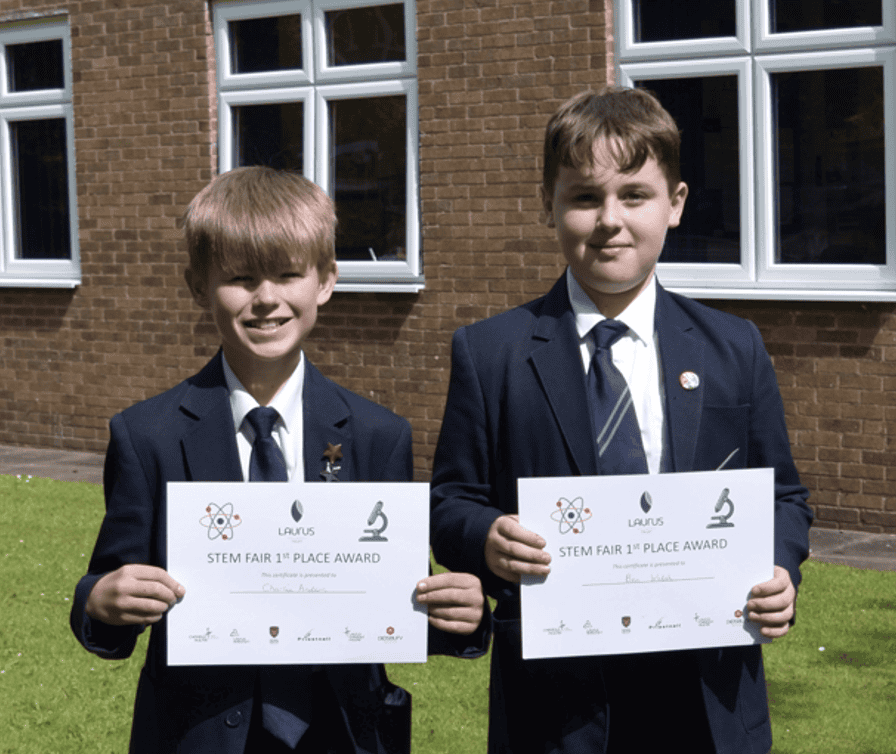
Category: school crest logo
[275,631]
[626,620]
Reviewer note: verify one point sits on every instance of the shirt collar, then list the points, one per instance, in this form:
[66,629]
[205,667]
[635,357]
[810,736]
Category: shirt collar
[288,400]
[638,316]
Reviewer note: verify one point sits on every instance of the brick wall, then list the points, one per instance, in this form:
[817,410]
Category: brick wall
[144,146]
[490,73]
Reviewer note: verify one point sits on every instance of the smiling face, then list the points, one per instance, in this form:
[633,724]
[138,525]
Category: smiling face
[263,318]
[612,225]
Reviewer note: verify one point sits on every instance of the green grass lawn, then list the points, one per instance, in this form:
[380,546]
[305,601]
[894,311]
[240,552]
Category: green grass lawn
[55,698]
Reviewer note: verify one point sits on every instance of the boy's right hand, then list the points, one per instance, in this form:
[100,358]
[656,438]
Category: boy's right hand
[511,550]
[133,595]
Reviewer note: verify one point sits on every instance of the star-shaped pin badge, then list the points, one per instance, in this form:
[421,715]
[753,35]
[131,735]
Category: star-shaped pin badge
[333,453]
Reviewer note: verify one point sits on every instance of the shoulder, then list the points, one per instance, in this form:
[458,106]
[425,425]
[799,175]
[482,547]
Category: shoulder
[713,324]
[515,328]
[163,414]
[363,411]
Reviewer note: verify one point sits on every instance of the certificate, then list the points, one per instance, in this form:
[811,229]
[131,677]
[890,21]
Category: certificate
[292,573]
[646,563]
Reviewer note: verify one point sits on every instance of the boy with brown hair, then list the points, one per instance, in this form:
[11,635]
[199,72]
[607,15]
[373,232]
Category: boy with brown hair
[262,260]
[692,388]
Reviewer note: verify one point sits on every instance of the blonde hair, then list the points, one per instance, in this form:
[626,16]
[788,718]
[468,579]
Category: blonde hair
[632,122]
[261,219]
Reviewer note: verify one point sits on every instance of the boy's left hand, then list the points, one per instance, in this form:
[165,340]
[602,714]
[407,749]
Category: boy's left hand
[454,600]
[772,604]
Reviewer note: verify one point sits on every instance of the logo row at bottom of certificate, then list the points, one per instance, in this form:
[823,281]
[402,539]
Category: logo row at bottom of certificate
[277,634]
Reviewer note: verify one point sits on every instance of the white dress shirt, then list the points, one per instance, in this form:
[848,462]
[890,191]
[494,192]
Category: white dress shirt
[287,432]
[636,355]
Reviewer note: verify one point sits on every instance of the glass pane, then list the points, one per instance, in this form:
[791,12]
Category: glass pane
[705,110]
[662,20]
[35,65]
[815,15]
[829,132]
[369,164]
[365,35]
[266,44]
[40,172]
[271,135]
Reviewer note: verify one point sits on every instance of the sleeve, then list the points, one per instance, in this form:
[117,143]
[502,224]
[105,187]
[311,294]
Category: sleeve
[463,497]
[770,447]
[125,536]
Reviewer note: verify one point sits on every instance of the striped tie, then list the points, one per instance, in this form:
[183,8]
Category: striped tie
[613,419]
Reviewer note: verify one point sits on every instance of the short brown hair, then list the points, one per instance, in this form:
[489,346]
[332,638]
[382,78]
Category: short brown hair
[261,219]
[632,121]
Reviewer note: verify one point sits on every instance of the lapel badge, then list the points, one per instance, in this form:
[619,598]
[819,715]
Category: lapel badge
[333,453]
[689,380]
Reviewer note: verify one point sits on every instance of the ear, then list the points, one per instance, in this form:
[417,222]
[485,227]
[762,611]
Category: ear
[198,287]
[327,283]
[676,200]
[548,204]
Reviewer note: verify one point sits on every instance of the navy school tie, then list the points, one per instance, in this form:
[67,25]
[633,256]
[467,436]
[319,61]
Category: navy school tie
[613,418]
[266,464]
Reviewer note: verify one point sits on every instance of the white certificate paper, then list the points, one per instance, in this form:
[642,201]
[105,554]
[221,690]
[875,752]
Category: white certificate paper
[293,573]
[646,563]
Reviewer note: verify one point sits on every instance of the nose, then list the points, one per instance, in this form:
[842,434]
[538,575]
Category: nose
[610,215]
[265,293]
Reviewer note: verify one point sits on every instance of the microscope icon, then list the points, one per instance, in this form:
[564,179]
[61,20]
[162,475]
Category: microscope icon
[722,520]
[375,535]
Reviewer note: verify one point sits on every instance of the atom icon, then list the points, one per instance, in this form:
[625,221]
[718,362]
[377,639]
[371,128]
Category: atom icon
[571,515]
[221,522]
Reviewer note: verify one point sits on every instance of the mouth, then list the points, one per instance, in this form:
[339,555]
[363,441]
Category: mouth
[266,325]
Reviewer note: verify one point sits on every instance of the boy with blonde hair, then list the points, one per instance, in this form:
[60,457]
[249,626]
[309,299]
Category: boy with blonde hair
[262,260]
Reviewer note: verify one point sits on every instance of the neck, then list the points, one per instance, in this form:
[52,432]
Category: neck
[611,305]
[263,381]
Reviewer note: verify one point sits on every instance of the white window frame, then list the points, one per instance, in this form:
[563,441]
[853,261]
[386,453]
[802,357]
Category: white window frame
[17,107]
[315,86]
[754,58]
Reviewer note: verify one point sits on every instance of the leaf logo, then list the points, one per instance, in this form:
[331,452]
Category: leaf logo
[646,502]
[296,511]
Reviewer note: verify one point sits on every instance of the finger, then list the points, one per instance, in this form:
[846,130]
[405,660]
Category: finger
[521,552]
[778,618]
[463,628]
[510,528]
[152,574]
[466,598]
[449,579]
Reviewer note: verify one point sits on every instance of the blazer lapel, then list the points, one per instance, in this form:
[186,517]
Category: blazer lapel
[324,423]
[680,352]
[556,359]
[209,448]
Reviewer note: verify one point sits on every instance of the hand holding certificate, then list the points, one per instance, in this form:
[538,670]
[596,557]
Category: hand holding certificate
[646,563]
[297,573]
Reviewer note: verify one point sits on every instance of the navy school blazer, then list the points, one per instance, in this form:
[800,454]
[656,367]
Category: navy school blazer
[186,434]
[517,407]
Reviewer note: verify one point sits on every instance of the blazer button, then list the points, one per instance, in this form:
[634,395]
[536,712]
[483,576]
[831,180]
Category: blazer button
[234,719]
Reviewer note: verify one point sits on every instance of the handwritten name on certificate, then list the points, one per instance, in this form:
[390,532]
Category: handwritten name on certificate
[646,563]
[292,573]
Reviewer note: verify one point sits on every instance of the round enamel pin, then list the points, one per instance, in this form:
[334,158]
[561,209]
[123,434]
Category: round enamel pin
[689,380]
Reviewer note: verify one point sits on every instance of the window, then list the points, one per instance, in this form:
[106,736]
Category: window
[329,88]
[787,111]
[38,214]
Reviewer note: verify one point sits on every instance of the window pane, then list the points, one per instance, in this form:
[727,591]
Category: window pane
[662,20]
[266,44]
[705,110]
[40,172]
[829,130]
[271,135]
[365,35]
[369,162]
[35,65]
[815,15]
